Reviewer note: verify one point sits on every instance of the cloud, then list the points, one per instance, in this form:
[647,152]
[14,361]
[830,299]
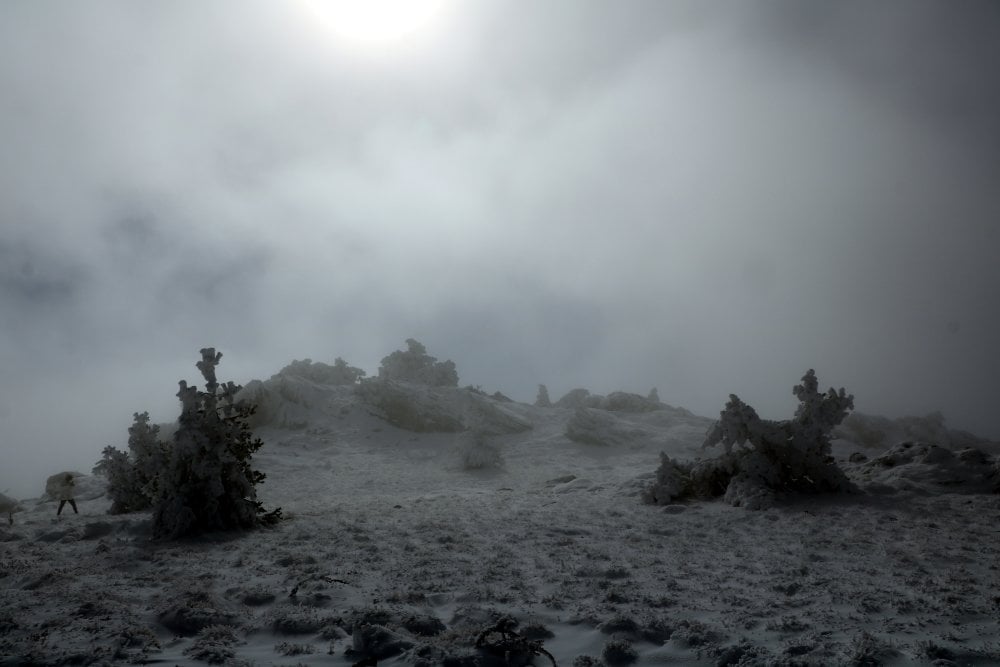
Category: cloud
[705,199]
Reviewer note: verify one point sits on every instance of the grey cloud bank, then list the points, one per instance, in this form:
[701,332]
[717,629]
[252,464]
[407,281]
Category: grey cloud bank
[702,197]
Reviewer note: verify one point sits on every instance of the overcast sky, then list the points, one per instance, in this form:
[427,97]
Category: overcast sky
[705,197]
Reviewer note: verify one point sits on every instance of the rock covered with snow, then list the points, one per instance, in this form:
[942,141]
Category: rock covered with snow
[623,401]
[932,468]
[429,409]
[593,426]
[877,432]
[84,487]
[579,398]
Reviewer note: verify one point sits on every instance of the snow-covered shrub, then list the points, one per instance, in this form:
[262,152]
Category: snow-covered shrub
[289,649]
[763,457]
[132,476]
[867,649]
[193,610]
[208,482]
[477,451]
[619,652]
[542,400]
[415,365]
[214,644]
[339,374]
[673,480]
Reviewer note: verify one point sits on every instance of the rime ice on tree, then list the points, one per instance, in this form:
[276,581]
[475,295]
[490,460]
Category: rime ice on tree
[209,483]
[782,456]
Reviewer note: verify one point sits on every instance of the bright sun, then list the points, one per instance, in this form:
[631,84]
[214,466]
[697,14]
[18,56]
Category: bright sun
[375,22]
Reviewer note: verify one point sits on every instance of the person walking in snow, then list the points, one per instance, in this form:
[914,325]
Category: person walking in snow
[66,493]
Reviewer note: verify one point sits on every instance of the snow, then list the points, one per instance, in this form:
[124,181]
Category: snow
[391,539]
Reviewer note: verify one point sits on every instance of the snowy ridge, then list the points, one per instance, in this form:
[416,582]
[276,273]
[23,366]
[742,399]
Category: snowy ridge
[394,547]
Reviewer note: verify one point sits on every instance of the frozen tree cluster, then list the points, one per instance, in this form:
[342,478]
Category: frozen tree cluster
[202,480]
[616,401]
[762,458]
[408,391]
[340,373]
[416,366]
[132,476]
[288,397]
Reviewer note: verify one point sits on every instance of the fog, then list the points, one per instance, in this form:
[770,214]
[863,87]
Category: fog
[706,198]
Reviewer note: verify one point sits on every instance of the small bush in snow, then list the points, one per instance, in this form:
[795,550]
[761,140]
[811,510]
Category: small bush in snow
[763,457]
[866,650]
[133,476]
[214,645]
[208,482]
[416,366]
[619,652]
[476,451]
[289,649]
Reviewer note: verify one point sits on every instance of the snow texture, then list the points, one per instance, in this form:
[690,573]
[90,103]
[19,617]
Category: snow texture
[386,548]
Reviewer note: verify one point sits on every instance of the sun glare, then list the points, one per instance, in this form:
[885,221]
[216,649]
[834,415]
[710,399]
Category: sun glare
[375,22]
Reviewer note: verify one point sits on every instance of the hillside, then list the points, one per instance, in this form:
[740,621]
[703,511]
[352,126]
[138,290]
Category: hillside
[417,516]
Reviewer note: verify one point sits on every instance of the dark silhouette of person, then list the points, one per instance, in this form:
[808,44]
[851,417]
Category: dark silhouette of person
[66,492]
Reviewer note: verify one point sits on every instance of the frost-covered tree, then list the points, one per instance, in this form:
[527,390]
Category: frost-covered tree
[543,400]
[133,476]
[415,365]
[339,373]
[579,398]
[762,457]
[208,483]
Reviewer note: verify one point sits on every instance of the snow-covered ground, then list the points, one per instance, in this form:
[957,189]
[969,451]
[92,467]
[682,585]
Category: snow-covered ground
[391,545]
